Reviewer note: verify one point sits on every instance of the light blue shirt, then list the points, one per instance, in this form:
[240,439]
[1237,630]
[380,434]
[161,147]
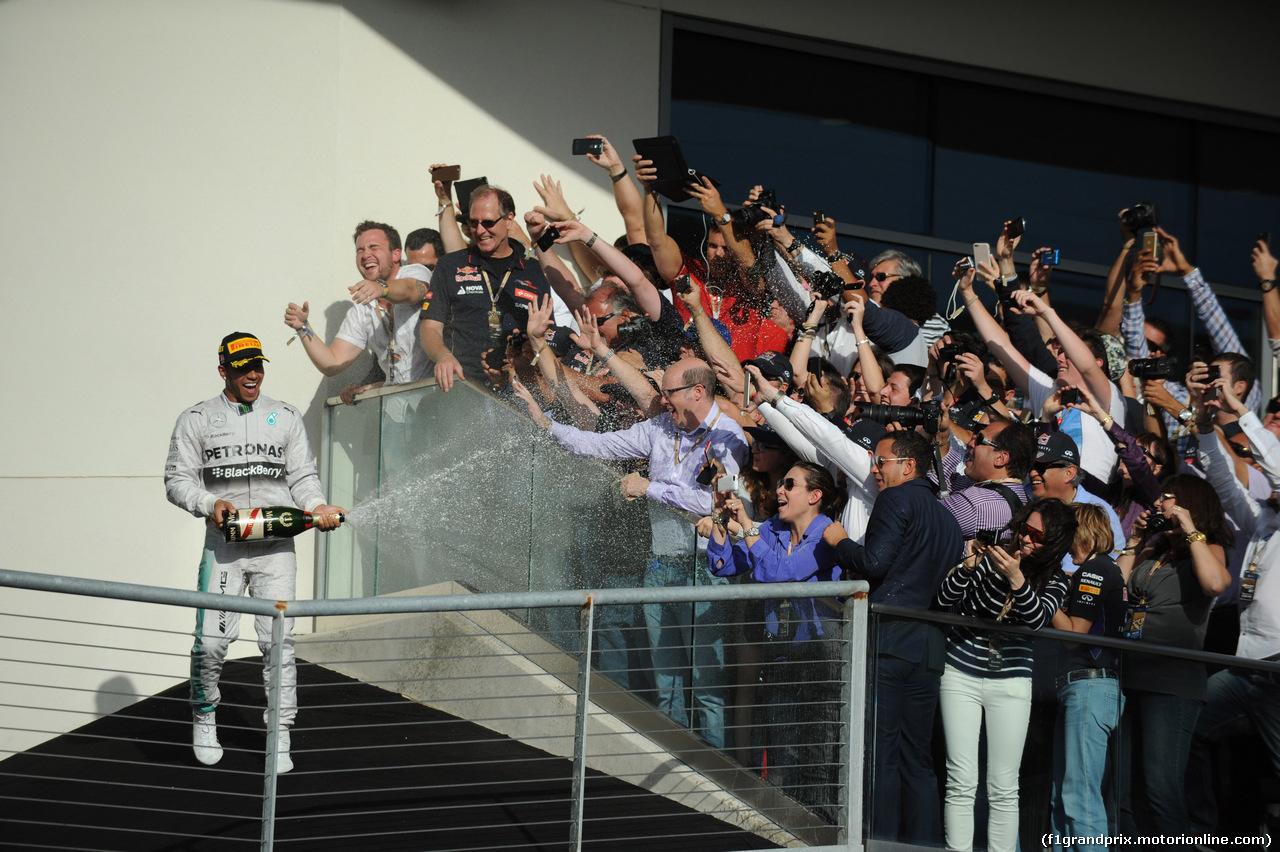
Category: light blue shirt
[675,457]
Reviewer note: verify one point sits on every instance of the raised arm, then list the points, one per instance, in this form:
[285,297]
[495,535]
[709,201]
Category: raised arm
[588,337]
[447,215]
[990,331]
[556,209]
[667,256]
[330,360]
[625,195]
[558,275]
[1079,354]
[1264,266]
[713,344]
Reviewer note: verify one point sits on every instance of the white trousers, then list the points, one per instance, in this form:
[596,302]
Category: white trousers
[1006,704]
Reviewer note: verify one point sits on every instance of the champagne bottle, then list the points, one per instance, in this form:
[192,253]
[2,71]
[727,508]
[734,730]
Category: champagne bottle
[267,522]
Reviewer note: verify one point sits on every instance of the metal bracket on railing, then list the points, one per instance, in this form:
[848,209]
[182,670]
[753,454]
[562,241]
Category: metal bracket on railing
[586,624]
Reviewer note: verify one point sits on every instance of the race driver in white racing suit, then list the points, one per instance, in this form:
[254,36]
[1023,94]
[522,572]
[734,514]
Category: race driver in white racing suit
[242,450]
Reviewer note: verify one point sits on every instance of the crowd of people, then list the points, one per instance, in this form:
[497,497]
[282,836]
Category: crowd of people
[811,416]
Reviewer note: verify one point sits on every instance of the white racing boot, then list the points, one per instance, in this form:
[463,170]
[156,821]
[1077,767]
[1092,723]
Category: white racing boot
[284,762]
[204,739]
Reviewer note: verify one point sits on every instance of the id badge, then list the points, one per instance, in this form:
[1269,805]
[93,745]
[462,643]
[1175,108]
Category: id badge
[1135,622]
[495,324]
[1248,584]
[995,652]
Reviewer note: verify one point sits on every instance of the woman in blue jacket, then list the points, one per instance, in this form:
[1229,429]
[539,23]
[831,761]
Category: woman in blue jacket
[801,699]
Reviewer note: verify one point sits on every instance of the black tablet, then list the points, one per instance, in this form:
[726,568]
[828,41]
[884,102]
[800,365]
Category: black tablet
[674,173]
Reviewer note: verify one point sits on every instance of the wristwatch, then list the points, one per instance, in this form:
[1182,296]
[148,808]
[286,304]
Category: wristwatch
[1185,416]
[724,218]
[754,531]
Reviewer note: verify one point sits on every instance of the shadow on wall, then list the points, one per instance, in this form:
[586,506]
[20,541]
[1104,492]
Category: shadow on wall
[365,370]
[517,64]
[115,694]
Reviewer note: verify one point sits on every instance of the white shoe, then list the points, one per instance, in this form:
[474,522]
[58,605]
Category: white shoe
[204,739]
[284,762]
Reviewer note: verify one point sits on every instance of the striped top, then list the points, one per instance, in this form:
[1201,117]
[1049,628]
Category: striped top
[985,593]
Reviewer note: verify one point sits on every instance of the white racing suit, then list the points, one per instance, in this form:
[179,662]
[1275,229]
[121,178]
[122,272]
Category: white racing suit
[250,455]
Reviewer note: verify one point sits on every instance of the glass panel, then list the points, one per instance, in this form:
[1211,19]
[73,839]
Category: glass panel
[351,476]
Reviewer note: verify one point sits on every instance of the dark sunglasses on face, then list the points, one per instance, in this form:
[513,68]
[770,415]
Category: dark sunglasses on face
[1033,533]
[488,223]
[1273,407]
[1041,467]
[787,483]
[885,276]
[1152,346]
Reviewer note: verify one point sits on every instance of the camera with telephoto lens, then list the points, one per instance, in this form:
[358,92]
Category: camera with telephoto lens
[826,284]
[910,416]
[1151,368]
[1141,216]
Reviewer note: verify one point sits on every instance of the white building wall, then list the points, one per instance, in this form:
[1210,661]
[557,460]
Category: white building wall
[174,170]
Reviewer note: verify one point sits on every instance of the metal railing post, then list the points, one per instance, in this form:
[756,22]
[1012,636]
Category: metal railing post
[854,713]
[586,623]
[276,663]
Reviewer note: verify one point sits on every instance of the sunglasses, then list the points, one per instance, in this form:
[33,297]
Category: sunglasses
[1033,533]
[1043,466]
[604,319]
[487,223]
[880,461]
[984,441]
[1169,495]
[885,276]
[787,483]
[668,393]
[1273,407]
[1152,346]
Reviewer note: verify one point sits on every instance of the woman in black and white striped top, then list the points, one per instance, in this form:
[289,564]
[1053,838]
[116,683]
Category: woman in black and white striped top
[988,674]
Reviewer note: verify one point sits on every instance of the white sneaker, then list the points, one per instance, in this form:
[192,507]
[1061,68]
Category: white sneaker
[204,739]
[283,761]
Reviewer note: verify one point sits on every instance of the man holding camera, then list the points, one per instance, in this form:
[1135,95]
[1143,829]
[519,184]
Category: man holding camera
[678,445]
[997,460]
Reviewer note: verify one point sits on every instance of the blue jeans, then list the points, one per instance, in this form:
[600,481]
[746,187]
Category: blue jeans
[1241,701]
[686,642]
[1157,733]
[1088,712]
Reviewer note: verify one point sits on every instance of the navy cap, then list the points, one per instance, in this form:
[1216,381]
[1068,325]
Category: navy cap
[865,433]
[1057,447]
[765,436]
[773,365]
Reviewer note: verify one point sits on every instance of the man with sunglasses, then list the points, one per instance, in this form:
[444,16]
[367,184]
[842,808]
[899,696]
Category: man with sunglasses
[1056,473]
[677,445]
[997,460]
[911,542]
[479,294]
